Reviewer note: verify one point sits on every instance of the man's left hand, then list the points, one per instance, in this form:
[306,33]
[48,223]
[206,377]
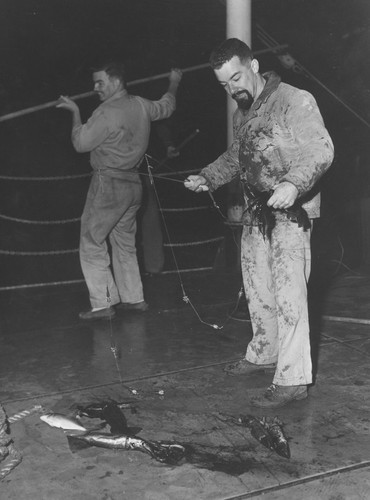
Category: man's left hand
[284,195]
[175,75]
[67,103]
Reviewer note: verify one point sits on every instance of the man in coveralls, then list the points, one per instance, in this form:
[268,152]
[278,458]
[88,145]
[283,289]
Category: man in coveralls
[117,136]
[281,149]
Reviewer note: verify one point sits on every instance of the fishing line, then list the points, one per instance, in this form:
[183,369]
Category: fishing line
[115,351]
[185,296]
[143,174]
[186,299]
[241,290]
[217,207]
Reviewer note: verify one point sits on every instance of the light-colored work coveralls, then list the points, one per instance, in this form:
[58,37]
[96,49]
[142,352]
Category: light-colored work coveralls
[117,136]
[281,138]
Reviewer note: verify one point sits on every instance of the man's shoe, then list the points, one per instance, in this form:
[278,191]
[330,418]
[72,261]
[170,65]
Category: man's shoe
[106,313]
[127,306]
[244,367]
[277,396]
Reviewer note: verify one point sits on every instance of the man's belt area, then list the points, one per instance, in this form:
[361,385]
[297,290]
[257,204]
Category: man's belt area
[119,173]
[264,216]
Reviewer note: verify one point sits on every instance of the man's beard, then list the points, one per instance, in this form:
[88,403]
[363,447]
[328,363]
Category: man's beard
[243,99]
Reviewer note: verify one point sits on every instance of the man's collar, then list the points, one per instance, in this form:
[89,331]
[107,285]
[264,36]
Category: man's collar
[117,95]
[272,82]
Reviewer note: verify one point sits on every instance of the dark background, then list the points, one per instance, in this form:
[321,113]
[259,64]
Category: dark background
[48,46]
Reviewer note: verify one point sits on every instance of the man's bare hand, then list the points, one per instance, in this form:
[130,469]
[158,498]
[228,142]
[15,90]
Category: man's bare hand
[196,183]
[284,195]
[175,75]
[65,102]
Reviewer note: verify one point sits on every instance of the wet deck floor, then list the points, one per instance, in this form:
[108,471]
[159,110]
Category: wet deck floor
[49,358]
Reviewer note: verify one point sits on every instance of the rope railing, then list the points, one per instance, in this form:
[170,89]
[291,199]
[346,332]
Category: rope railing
[186,209]
[178,172]
[19,253]
[52,178]
[75,250]
[38,253]
[77,219]
[194,243]
[38,285]
[58,178]
[39,222]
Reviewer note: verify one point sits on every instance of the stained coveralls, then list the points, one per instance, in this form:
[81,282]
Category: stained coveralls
[117,136]
[282,137]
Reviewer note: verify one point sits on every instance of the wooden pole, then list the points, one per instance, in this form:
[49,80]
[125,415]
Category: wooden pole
[39,107]
[51,104]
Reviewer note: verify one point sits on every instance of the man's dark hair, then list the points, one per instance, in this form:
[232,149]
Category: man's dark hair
[114,69]
[227,50]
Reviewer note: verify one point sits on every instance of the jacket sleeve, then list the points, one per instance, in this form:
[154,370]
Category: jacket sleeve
[304,120]
[224,169]
[91,134]
[163,108]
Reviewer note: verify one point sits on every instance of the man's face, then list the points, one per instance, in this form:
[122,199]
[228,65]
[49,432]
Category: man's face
[104,85]
[239,80]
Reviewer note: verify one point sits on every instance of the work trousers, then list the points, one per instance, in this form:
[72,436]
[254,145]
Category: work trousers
[110,212]
[275,276]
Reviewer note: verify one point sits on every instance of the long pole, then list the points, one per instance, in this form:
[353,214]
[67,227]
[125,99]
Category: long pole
[52,104]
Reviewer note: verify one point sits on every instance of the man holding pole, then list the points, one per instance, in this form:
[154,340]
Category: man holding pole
[280,151]
[116,136]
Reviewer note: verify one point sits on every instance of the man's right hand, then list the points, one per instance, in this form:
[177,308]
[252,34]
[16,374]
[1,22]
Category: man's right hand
[196,183]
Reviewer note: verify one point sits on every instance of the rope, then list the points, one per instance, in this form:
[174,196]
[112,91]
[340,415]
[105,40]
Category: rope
[74,282]
[188,209]
[178,172]
[185,298]
[75,250]
[55,178]
[15,459]
[170,245]
[7,449]
[59,178]
[43,222]
[35,285]
[194,243]
[27,254]
[25,413]
[77,219]
[191,270]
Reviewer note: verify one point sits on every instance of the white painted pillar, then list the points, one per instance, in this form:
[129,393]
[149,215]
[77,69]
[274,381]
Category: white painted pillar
[238,25]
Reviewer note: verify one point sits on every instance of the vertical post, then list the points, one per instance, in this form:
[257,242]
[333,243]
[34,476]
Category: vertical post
[238,25]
